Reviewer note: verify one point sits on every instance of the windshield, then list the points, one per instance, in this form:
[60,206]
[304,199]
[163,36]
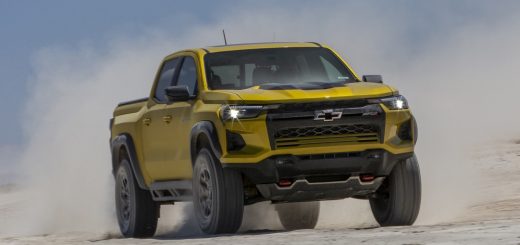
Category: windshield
[278,68]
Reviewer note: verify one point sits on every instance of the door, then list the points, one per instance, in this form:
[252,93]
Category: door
[153,126]
[177,133]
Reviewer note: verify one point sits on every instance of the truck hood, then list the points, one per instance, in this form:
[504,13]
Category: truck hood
[255,95]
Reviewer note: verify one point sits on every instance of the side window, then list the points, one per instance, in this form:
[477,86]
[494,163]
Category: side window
[165,79]
[188,75]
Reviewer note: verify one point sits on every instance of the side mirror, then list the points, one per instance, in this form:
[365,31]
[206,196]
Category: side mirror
[373,78]
[177,93]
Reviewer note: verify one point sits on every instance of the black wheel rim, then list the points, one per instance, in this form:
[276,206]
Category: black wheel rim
[124,201]
[205,193]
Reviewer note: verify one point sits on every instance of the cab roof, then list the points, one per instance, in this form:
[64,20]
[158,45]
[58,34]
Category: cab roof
[246,46]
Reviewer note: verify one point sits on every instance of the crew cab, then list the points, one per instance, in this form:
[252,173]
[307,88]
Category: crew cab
[288,123]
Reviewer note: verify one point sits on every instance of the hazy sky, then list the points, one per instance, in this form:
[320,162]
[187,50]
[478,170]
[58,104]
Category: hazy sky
[26,27]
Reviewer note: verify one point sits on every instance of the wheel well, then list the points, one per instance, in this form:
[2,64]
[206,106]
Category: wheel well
[123,148]
[201,142]
[121,154]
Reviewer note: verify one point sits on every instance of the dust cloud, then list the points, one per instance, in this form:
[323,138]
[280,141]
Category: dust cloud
[459,72]
[8,160]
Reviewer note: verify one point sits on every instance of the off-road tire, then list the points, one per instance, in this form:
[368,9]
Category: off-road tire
[398,199]
[299,215]
[218,195]
[137,213]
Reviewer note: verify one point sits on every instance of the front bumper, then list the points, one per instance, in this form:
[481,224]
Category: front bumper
[302,190]
[320,176]
[327,166]
[320,166]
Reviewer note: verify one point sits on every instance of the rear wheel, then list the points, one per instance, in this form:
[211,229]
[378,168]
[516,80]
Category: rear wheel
[218,195]
[137,213]
[299,215]
[398,199]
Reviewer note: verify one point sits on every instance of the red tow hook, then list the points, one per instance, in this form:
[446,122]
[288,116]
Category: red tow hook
[285,183]
[367,178]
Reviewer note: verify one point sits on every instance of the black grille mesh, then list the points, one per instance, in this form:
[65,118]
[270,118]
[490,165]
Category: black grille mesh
[325,131]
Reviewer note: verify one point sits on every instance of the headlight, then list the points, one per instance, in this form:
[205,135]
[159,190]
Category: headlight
[240,111]
[398,102]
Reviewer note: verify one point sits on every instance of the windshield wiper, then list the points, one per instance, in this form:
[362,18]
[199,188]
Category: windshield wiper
[326,85]
[303,86]
[278,86]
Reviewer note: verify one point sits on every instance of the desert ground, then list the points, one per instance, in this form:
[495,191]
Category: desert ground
[493,219]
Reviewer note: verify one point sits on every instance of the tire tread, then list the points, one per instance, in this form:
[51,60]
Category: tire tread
[405,201]
[230,196]
[146,209]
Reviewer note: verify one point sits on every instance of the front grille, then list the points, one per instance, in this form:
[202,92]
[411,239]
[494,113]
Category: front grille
[325,134]
[294,125]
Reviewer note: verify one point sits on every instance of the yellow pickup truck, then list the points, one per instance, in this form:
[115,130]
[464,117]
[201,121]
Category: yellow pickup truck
[289,123]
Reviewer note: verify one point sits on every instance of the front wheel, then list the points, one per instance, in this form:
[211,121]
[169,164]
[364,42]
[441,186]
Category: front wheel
[299,215]
[398,199]
[218,195]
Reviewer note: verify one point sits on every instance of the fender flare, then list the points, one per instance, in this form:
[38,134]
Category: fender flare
[125,141]
[415,130]
[208,129]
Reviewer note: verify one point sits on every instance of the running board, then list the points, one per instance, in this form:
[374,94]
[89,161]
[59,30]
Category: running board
[177,190]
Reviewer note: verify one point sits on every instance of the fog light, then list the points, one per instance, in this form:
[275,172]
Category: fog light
[404,132]
[235,142]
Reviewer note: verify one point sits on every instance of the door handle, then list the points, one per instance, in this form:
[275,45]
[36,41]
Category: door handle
[167,119]
[147,121]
